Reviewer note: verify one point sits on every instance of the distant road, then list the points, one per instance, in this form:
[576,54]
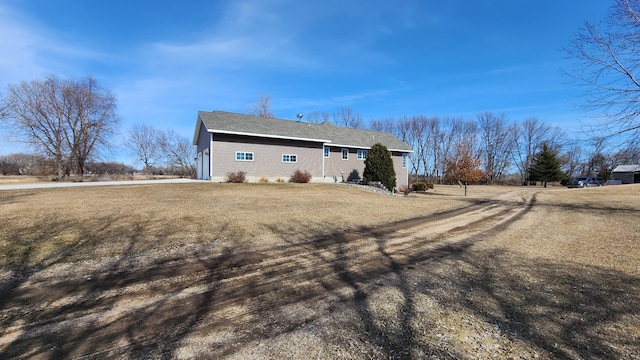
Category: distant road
[47,185]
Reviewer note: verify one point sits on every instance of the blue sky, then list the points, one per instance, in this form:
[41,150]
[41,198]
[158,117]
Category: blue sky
[165,60]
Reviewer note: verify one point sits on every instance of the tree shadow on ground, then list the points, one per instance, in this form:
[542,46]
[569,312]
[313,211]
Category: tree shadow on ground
[71,312]
[217,304]
[565,310]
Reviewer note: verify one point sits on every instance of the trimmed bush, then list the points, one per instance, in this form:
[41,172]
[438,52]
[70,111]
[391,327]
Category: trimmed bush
[378,167]
[236,177]
[300,177]
[421,186]
[263,180]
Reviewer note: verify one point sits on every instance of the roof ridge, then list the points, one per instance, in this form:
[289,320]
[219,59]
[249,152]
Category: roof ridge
[230,122]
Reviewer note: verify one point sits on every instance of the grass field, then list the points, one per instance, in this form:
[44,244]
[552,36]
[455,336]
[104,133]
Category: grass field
[42,227]
[561,279]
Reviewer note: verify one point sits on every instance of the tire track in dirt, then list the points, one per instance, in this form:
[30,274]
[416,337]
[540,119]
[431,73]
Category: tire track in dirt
[236,290]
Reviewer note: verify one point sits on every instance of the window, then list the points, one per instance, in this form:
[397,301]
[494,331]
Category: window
[244,156]
[289,158]
[345,154]
[362,154]
[326,151]
[404,160]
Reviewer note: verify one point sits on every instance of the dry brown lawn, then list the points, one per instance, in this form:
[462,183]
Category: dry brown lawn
[11,179]
[43,227]
[320,271]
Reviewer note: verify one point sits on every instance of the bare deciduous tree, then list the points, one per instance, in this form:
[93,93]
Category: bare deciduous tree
[385,125]
[345,116]
[318,117]
[528,138]
[23,164]
[607,61]
[407,132]
[179,152]
[572,160]
[66,120]
[93,121]
[142,140]
[497,144]
[262,107]
[628,155]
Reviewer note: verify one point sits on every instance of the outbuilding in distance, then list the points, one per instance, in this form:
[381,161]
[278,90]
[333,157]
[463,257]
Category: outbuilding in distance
[627,174]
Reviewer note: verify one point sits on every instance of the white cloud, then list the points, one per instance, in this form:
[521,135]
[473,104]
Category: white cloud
[19,48]
[31,51]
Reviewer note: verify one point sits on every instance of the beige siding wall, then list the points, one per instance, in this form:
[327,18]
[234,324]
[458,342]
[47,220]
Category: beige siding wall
[402,174]
[345,170]
[354,167]
[203,149]
[203,138]
[267,157]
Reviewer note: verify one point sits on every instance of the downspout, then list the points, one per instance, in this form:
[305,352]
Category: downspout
[210,156]
[323,160]
[406,171]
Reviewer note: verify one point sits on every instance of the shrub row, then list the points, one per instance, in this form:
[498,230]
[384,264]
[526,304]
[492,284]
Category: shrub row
[297,177]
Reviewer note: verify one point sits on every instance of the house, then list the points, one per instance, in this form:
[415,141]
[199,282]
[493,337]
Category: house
[627,174]
[267,148]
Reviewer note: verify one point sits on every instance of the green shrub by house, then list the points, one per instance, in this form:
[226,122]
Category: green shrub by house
[378,166]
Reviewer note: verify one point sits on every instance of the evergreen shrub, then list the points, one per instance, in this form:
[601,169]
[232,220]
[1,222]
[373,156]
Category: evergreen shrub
[421,186]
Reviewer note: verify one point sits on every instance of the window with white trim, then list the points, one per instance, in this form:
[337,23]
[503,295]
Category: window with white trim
[345,154]
[362,154]
[289,158]
[244,156]
[326,151]
[404,160]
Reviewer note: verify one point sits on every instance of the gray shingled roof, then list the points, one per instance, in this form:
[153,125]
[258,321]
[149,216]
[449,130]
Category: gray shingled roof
[221,121]
[627,168]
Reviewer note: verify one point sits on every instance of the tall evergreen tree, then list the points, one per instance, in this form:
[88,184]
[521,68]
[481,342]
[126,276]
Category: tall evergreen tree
[378,166]
[546,166]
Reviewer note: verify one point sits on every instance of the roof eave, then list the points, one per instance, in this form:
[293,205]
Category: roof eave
[196,134]
[368,147]
[267,136]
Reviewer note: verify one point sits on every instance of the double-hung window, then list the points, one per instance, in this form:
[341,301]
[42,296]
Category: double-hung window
[404,160]
[289,158]
[326,151]
[345,154]
[362,154]
[244,156]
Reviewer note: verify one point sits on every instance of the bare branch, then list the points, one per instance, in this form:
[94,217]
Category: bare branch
[606,63]
[262,107]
